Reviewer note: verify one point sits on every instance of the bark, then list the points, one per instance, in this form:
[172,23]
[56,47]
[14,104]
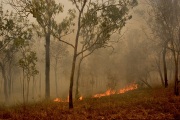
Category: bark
[160,72]
[165,68]
[55,73]
[47,66]
[5,82]
[74,57]
[161,76]
[27,96]
[71,81]
[40,84]
[23,87]
[176,90]
[79,71]
[34,86]
[77,81]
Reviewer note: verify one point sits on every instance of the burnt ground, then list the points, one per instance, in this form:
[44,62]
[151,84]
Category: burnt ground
[157,103]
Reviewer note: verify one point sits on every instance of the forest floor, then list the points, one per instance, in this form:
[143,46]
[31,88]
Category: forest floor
[156,103]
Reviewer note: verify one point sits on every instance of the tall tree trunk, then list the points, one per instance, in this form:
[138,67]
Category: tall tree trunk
[79,71]
[55,73]
[176,90]
[77,81]
[33,87]
[27,95]
[160,72]
[23,87]
[10,77]
[165,68]
[75,56]
[5,82]
[161,77]
[73,66]
[72,80]
[47,68]
[40,84]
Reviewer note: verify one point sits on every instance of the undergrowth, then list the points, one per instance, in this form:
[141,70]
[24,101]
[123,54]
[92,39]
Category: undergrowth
[157,103]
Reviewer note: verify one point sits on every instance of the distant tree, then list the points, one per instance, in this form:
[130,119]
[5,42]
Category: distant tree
[44,11]
[137,64]
[28,65]
[112,80]
[58,51]
[166,15]
[13,30]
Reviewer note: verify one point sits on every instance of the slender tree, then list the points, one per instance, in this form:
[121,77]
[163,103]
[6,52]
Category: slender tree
[96,22]
[14,29]
[167,23]
[44,11]
[58,52]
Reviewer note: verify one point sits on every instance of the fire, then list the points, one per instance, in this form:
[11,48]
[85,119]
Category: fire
[81,98]
[130,87]
[67,100]
[107,93]
[57,100]
[61,100]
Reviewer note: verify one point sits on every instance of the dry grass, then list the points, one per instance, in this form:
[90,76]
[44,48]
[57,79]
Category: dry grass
[158,103]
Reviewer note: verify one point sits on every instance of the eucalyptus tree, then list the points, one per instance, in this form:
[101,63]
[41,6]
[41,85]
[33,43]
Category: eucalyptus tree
[58,52]
[13,30]
[96,21]
[166,15]
[45,12]
[28,65]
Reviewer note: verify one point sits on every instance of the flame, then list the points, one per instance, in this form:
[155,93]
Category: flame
[107,93]
[130,87]
[57,100]
[67,100]
[61,100]
[81,98]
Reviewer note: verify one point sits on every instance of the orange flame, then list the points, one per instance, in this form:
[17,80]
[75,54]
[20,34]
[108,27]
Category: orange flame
[61,100]
[57,100]
[107,93]
[67,100]
[81,98]
[130,87]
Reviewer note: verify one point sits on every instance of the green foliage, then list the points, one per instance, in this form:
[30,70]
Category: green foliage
[14,31]
[64,27]
[43,10]
[102,19]
[28,63]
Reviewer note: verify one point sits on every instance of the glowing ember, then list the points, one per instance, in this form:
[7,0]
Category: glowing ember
[81,98]
[60,100]
[67,100]
[57,100]
[111,92]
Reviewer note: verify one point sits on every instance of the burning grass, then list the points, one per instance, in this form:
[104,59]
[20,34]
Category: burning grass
[158,103]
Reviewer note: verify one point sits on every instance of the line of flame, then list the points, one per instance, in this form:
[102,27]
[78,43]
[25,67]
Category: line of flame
[120,91]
